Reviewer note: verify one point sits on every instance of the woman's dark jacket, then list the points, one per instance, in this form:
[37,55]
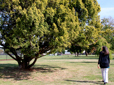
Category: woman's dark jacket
[104,60]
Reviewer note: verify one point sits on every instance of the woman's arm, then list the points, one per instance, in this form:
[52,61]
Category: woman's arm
[99,60]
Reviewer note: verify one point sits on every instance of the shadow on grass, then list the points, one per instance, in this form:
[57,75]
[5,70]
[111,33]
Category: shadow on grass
[94,82]
[46,68]
[11,71]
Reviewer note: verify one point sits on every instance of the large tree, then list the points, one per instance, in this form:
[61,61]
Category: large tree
[107,37]
[75,49]
[87,12]
[30,28]
[108,30]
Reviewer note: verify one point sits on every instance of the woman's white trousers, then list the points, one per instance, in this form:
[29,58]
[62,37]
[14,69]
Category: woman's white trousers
[105,74]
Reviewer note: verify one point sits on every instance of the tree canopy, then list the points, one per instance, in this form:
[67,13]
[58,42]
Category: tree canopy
[30,28]
[90,24]
[108,31]
[107,37]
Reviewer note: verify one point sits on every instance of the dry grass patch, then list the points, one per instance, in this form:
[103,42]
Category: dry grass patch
[55,71]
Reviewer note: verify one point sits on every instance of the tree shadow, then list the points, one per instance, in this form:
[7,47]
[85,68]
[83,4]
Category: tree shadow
[47,68]
[94,82]
[11,71]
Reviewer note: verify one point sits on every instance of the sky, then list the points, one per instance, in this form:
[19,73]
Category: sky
[107,8]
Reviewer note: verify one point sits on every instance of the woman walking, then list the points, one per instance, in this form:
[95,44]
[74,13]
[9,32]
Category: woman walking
[103,63]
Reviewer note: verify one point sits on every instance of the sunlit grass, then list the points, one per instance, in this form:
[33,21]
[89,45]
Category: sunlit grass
[56,70]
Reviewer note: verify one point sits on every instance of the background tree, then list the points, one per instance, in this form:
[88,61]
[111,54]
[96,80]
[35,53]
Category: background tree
[87,12]
[30,28]
[75,49]
[108,31]
[107,37]
[102,42]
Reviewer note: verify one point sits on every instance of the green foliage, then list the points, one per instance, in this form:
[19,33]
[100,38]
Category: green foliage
[87,12]
[100,43]
[108,31]
[35,27]
[75,49]
[106,38]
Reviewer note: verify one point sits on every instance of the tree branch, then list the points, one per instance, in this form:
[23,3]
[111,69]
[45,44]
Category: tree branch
[11,56]
[33,62]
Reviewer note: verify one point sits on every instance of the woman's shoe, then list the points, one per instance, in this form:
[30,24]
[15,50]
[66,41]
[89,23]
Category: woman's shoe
[105,82]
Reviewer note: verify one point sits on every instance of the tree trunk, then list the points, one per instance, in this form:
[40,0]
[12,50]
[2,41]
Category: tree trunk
[77,54]
[86,53]
[25,63]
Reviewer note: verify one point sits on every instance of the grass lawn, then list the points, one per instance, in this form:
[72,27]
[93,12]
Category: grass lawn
[56,70]
[5,57]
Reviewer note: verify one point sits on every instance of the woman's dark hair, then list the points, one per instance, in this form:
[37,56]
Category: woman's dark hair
[105,50]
